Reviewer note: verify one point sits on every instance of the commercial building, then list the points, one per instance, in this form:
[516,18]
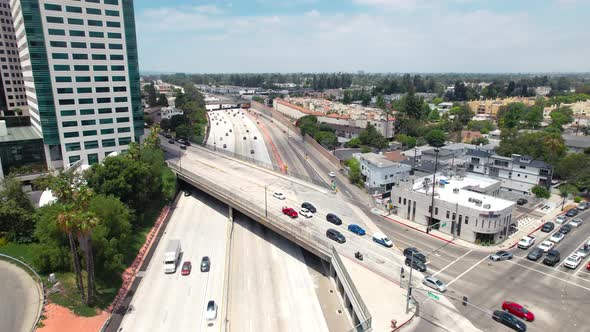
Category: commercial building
[80,68]
[465,206]
[21,150]
[12,88]
[576,143]
[380,174]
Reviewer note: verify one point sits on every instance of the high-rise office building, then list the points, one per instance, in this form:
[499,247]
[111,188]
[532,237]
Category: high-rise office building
[80,68]
[12,89]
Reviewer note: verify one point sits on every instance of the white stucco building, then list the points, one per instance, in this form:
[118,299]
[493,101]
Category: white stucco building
[380,174]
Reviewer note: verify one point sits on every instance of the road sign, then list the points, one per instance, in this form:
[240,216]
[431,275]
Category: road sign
[443,225]
[434,296]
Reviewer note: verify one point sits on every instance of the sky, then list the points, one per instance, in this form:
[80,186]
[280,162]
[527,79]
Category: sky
[250,36]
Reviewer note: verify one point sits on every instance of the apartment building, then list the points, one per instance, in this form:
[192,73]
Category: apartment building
[380,174]
[80,70]
[12,89]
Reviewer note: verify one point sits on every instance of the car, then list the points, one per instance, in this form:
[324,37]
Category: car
[572,212]
[205,264]
[309,206]
[254,137]
[557,237]
[187,143]
[561,219]
[546,246]
[226,134]
[553,257]
[508,319]
[434,283]
[183,147]
[244,138]
[518,310]
[588,266]
[572,261]
[247,130]
[211,312]
[408,252]
[501,255]
[334,219]
[356,229]
[335,235]
[565,229]
[186,268]
[230,130]
[289,212]
[583,206]
[583,251]
[225,146]
[575,222]
[171,141]
[167,135]
[332,174]
[251,151]
[416,264]
[278,195]
[547,227]
[521,201]
[536,253]
[305,212]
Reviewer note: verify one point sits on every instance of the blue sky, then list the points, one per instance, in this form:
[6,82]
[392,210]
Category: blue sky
[213,36]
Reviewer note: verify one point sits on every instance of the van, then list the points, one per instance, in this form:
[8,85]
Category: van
[335,235]
[333,219]
[382,240]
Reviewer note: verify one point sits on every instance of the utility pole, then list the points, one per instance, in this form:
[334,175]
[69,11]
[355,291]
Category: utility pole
[409,295]
[433,186]
[265,201]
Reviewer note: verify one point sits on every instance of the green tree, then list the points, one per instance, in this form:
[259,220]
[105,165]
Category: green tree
[354,142]
[479,141]
[354,173]
[437,100]
[407,141]
[177,120]
[258,99]
[433,116]
[541,192]
[484,126]
[463,113]
[575,169]
[509,116]
[326,139]
[165,124]
[436,138]
[152,98]
[183,131]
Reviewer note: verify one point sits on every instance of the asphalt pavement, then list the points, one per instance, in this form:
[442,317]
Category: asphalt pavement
[20,294]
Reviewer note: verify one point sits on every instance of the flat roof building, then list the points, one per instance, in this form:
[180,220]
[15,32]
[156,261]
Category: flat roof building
[380,174]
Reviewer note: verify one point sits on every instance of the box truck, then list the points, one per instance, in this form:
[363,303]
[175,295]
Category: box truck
[172,256]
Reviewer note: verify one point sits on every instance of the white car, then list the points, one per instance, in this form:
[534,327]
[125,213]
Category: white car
[211,313]
[434,283]
[576,222]
[332,174]
[560,219]
[278,195]
[546,246]
[583,252]
[556,237]
[572,261]
[306,213]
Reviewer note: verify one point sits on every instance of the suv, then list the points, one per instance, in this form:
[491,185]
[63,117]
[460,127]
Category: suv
[416,264]
[565,229]
[335,235]
[535,254]
[308,206]
[521,201]
[548,227]
[205,264]
[553,257]
[333,219]
[572,213]
[417,254]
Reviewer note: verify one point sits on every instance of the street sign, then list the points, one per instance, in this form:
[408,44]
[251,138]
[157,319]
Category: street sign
[443,225]
[434,296]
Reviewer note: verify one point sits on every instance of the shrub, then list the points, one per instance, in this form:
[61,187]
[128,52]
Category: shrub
[577,199]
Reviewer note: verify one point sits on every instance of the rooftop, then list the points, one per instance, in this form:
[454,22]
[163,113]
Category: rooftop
[379,160]
[20,134]
[577,141]
[454,190]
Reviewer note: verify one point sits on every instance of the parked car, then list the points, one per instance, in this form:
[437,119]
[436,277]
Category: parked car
[183,147]
[553,257]
[583,206]
[205,264]
[526,242]
[508,319]
[521,201]
[332,174]
[308,206]
[434,283]
[211,313]
[225,146]
[565,229]
[416,264]
[535,254]
[546,246]
[572,212]
[408,252]
[583,251]
[501,255]
[548,227]
[572,261]
[557,237]
[186,268]
[588,266]
[278,195]
[171,141]
[305,212]
[575,222]
[518,310]
[335,235]
[561,219]
[356,229]
[333,219]
[289,212]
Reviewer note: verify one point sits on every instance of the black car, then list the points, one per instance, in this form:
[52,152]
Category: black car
[535,254]
[417,254]
[183,147]
[333,219]
[548,227]
[553,257]
[308,206]
[572,213]
[509,320]
[335,235]
[205,264]
[416,264]
[521,201]
[171,141]
[565,229]
[167,135]
[187,143]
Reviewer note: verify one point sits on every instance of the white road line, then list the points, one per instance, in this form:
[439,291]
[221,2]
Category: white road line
[453,262]
[469,269]
[552,276]
[346,191]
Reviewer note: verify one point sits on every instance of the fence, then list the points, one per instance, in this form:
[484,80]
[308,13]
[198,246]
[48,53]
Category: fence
[32,271]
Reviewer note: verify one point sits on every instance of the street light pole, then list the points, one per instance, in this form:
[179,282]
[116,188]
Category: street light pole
[433,184]
[265,202]
[410,284]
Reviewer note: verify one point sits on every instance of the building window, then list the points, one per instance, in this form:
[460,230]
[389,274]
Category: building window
[78,56]
[96,34]
[72,147]
[104,110]
[111,2]
[404,201]
[109,142]
[93,11]
[100,68]
[116,46]
[124,130]
[58,44]
[73,159]
[89,133]
[52,7]
[454,216]
[436,211]
[71,134]
[122,120]
[106,121]
[85,101]
[93,158]
[56,32]
[111,12]
[103,100]
[52,19]
[467,220]
[99,57]
[88,122]
[78,45]
[448,214]
[399,200]
[84,90]
[68,113]
[121,109]
[107,131]
[114,35]
[112,24]
[73,9]
[59,56]
[63,79]
[77,33]
[460,218]
[75,21]
[88,111]
[94,23]
[95,46]
[91,145]
[124,140]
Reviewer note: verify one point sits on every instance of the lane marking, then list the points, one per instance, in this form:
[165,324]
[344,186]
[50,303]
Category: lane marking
[469,269]
[552,276]
[455,261]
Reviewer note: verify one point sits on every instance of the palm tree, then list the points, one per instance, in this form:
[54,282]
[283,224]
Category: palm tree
[66,220]
[87,221]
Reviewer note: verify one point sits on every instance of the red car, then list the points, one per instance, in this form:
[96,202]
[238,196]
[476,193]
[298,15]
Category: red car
[290,212]
[588,267]
[518,310]
[186,268]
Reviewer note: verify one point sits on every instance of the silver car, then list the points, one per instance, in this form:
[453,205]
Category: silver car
[434,283]
[501,255]
[583,252]
[575,222]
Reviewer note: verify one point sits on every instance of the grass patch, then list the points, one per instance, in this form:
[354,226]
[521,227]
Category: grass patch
[23,252]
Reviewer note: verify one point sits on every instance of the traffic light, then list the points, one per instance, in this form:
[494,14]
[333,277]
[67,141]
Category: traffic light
[402,272]
[465,300]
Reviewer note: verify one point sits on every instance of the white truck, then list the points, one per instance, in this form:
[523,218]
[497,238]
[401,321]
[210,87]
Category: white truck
[526,242]
[172,256]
